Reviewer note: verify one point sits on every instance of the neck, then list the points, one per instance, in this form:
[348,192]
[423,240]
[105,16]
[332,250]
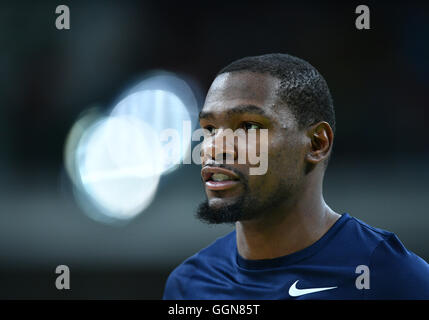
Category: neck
[288,229]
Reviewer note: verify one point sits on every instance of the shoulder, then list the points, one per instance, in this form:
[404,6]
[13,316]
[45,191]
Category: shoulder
[395,271]
[196,265]
[369,233]
[357,239]
[398,273]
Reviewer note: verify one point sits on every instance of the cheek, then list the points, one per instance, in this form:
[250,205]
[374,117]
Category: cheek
[285,157]
[258,148]
[285,164]
[262,187]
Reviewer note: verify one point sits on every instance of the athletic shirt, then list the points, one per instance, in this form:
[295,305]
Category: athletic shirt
[351,261]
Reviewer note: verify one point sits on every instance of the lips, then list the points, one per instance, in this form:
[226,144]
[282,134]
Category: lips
[219,178]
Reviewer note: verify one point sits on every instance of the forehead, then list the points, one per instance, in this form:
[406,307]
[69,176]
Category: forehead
[241,88]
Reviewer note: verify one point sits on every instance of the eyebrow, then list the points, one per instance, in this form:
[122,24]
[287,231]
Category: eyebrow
[240,109]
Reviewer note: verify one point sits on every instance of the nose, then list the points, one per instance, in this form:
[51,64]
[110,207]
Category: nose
[219,147]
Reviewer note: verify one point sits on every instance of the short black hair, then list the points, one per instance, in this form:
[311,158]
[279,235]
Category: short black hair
[302,87]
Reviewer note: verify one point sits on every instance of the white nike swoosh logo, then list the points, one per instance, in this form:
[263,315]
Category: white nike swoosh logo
[295,292]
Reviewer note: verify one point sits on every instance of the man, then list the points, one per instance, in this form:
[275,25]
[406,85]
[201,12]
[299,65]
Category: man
[287,242]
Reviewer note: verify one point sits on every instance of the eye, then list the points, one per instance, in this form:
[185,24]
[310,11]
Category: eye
[210,129]
[250,125]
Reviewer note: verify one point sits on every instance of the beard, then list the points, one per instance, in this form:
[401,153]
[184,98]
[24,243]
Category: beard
[230,213]
[244,208]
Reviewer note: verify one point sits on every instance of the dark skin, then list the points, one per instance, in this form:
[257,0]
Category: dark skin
[247,100]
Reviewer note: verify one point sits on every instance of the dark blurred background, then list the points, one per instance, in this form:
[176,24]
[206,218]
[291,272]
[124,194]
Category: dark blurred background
[379,79]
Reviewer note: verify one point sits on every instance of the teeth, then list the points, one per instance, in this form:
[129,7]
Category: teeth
[220,177]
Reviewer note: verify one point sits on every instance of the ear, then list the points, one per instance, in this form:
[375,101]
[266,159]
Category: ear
[321,138]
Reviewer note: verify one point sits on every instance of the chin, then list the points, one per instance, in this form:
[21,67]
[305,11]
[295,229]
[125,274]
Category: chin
[219,202]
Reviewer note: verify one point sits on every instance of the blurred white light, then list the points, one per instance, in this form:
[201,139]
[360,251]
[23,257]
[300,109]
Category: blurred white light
[115,166]
[169,106]
[115,161]
[80,127]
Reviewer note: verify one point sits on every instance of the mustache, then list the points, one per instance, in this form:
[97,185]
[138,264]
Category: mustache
[242,177]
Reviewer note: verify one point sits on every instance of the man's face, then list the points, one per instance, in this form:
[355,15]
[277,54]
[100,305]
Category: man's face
[246,100]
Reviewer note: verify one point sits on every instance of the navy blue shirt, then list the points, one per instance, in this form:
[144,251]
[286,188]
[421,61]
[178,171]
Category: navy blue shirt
[328,269]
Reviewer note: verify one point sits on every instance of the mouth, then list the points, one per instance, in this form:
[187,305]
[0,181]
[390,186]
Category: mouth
[219,178]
